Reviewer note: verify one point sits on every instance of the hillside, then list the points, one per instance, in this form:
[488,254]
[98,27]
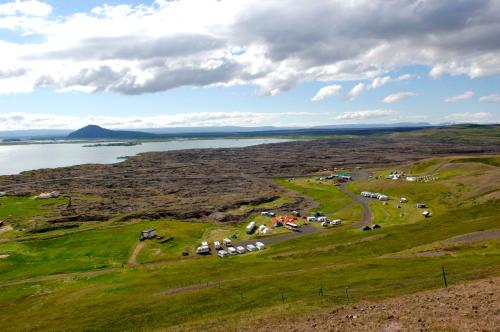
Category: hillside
[76,260]
[459,132]
[96,132]
[90,274]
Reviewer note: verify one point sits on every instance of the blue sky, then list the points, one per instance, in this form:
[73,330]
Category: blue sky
[133,64]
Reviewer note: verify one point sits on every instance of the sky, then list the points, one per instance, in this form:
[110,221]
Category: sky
[182,63]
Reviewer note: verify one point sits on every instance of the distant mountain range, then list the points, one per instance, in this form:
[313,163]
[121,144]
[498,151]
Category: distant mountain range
[96,132]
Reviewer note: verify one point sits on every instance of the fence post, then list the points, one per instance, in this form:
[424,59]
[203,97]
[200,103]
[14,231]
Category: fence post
[347,294]
[444,278]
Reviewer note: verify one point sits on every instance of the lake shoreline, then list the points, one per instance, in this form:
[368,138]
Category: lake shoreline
[18,158]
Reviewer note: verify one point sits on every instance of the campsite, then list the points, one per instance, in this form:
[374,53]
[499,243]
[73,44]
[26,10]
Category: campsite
[57,272]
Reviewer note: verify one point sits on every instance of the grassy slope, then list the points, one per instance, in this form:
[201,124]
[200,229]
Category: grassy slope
[469,133]
[253,285]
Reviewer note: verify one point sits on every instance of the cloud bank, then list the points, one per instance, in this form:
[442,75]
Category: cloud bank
[393,98]
[275,44]
[464,96]
[493,98]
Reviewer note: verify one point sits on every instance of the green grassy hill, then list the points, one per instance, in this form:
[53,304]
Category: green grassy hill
[81,279]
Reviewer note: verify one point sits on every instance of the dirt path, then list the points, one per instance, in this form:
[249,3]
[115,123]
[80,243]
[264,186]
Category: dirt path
[490,234]
[366,219]
[132,260]
[59,276]
[5,229]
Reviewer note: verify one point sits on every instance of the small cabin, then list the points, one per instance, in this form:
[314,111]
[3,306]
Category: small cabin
[52,194]
[148,234]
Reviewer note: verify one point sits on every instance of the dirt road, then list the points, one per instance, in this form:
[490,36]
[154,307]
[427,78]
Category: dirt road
[304,230]
[132,260]
[58,276]
[366,219]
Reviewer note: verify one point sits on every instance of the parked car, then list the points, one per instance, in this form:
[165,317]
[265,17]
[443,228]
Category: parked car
[227,242]
[231,251]
[240,250]
[251,247]
[217,245]
[260,245]
[222,253]
[336,222]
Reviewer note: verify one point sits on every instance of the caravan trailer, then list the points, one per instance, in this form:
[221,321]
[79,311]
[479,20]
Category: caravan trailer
[292,226]
[250,228]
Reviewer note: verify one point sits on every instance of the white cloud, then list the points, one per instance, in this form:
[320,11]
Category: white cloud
[19,121]
[493,98]
[135,49]
[25,7]
[327,91]
[366,114]
[376,83]
[392,98]
[356,90]
[478,117]
[464,96]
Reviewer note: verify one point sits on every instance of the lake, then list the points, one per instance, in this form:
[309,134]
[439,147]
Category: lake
[18,158]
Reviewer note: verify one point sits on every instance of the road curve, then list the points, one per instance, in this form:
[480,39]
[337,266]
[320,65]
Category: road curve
[366,219]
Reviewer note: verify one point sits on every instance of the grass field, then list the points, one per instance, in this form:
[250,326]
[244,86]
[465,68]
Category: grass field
[167,290]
